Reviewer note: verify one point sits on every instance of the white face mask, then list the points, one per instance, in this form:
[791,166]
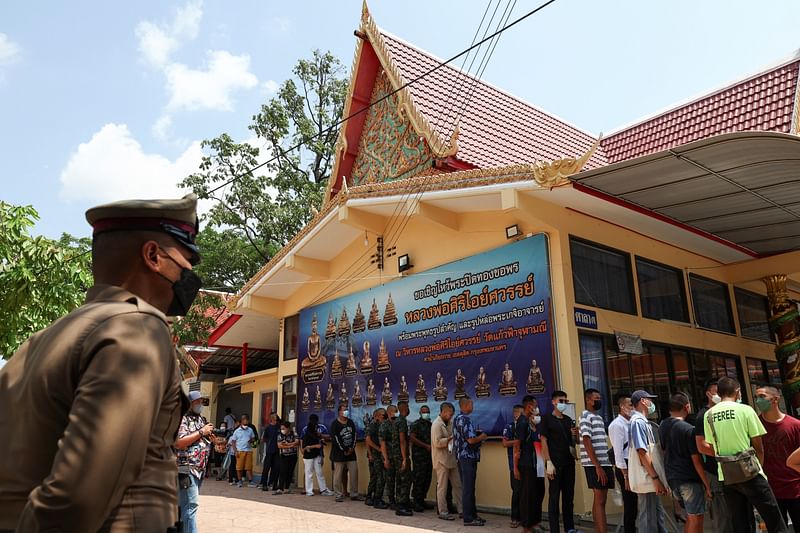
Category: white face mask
[535,410]
[537,420]
[715,399]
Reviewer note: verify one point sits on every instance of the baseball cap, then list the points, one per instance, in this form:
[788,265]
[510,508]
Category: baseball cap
[194,395]
[639,395]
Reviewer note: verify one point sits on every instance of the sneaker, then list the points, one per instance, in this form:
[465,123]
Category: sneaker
[474,523]
[231,482]
[252,485]
[339,499]
[356,498]
[327,492]
[309,493]
[446,516]
[513,524]
[276,492]
[240,484]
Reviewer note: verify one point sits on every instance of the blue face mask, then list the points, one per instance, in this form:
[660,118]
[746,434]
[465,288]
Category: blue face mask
[346,413]
[562,407]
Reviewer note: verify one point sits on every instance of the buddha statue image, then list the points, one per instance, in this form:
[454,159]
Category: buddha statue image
[420,394]
[359,322]
[402,396]
[535,383]
[330,401]
[460,384]
[372,398]
[313,365]
[386,395]
[383,358]
[357,399]
[318,399]
[351,369]
[366,360]
[343,398]
[306,402]
[344,324]
[374,321]
[390,314]
[508,385]
[330,330]
[336,367]
[482,388]
[439,390]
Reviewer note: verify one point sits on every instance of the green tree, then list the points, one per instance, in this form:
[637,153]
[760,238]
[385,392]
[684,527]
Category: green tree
[40,279]
[263,210]
[199,322]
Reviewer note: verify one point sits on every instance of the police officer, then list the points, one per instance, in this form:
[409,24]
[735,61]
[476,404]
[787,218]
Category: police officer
[401,461]
[375,458]
[72,458]
[385,433]
[420,435]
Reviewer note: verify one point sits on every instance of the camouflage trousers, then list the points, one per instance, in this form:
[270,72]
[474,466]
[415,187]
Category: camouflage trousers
[403,480]
[423,471]
[377,475]
[390,480]
[373,479]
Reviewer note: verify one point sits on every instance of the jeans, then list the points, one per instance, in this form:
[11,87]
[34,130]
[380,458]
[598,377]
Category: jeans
[721,520]
[269,474]
[741,499]
[651,513]
[469,471]
[188,500]
[630,502]
[790,509]
[286,465]
[312,468]
[530,513]
[563,486]
[514,498]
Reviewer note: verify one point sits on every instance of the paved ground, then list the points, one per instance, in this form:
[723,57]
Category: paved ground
[226,508]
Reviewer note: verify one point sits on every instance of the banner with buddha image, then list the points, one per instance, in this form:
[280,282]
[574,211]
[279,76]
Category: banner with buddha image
[479,327]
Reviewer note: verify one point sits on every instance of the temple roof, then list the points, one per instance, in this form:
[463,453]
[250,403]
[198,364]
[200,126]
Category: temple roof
[764,101]
[494,128]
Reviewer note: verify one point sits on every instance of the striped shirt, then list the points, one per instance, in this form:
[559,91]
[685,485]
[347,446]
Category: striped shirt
[592,426]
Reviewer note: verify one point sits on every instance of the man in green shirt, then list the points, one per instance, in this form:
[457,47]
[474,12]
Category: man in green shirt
[385,434]
[402,462]
[420,435]
[732,427]
[375,459]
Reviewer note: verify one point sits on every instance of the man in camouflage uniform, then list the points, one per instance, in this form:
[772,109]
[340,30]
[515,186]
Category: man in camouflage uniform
[420,435]
[375,459]
[385,433]
[401,461]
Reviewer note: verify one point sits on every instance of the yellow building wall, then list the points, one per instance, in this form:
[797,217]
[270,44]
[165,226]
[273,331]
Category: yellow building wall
[258,383]
[430,245]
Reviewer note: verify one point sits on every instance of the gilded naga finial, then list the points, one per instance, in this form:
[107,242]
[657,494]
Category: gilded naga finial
[556,173]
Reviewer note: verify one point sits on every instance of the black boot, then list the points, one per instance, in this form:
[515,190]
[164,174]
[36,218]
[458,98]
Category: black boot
[369,501]
[380,504]
[418,507]
[403,510]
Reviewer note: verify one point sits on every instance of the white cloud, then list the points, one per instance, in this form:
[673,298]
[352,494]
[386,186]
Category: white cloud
[270,86]
[157,42]
[162,127]
[211,88]
[113,166]
[10,51]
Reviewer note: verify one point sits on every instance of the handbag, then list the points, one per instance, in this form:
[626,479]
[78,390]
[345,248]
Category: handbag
[737,468]
[638,477]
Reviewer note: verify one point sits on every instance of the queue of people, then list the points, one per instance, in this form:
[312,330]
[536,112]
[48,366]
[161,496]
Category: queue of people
[645,460]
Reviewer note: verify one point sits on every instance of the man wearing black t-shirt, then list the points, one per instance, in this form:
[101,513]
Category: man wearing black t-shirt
[720,517]
[530,514]
[557,433]
[343,454]
[686,475]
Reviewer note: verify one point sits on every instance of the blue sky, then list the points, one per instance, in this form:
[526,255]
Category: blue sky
[101,101]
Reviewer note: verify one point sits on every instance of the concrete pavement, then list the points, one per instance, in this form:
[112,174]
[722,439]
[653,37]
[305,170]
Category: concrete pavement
[228,508]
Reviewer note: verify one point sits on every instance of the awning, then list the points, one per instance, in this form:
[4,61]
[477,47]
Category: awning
[741,187]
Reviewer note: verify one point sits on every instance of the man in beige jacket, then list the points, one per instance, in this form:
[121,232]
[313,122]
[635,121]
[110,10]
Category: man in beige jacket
[92,403]
[444,462]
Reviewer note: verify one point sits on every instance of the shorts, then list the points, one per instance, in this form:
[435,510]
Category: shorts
[244,461]
[594,483]
[691,496]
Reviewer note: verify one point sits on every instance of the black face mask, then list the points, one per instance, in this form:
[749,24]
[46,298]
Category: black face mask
[598,405]
[184,290]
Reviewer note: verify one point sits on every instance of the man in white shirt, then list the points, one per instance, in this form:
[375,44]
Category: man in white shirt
[618,432]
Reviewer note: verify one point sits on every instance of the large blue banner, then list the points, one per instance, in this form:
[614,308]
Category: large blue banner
[478,327]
